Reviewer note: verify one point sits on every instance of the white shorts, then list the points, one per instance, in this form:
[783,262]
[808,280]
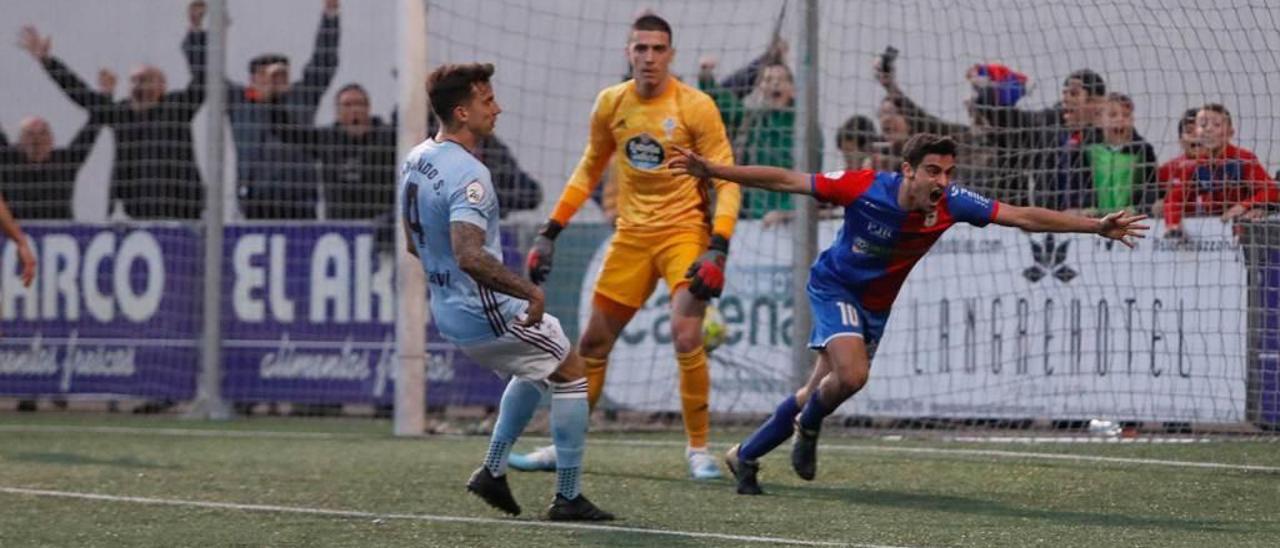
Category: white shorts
[530,352]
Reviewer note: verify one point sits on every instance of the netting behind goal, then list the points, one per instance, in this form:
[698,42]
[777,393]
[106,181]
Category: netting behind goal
[995,324]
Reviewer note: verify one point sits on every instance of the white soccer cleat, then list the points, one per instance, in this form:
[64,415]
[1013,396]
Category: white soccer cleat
[702,466]
[542,459]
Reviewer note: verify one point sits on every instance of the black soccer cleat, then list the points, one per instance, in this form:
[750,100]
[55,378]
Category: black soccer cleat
[493,490]
[578,509]
[804,453]
[744,471]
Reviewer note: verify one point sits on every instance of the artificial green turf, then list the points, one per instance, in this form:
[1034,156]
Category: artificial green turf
[873,493]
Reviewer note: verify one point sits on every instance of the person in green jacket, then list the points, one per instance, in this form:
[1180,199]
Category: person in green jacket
[1123,165]
[757,104]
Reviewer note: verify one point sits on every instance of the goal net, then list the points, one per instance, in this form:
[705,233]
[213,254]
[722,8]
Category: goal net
[994,324]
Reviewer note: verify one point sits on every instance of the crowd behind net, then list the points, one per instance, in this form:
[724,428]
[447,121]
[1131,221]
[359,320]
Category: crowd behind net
[106,158]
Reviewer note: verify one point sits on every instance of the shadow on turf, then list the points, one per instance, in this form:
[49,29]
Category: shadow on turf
[942,503]
[72,459]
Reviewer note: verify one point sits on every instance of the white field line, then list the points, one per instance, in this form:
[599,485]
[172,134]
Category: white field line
[984,453]
[422,517]
[658,443]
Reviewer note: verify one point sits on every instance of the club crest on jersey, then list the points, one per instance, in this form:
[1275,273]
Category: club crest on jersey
[669,126]
[645,152]
[932,218]
[474,192]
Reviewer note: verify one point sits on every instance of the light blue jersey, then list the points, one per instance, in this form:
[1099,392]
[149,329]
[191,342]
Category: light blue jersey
[442,183]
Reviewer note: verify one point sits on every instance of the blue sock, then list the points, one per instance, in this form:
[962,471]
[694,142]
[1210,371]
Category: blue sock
[519,401]
[814,411]
[772,433]
[569,415]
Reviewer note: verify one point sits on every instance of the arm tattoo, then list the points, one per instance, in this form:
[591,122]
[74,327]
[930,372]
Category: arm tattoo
[468,247]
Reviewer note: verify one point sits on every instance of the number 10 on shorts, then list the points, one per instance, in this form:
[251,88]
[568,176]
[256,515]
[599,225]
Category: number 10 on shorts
[848,314]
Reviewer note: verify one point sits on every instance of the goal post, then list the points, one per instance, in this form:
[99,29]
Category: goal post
[411,301]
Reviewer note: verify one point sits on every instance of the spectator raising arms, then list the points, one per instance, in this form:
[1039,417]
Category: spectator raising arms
[155,174]
[277,180]
[757,106]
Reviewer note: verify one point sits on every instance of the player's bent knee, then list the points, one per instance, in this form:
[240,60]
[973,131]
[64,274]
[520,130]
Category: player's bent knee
[851,378]
[687,337]
[595,344]
[571,369]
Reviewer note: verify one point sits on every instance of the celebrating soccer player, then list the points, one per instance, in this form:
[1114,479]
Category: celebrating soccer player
[494,316]
[890,221]
[663,228]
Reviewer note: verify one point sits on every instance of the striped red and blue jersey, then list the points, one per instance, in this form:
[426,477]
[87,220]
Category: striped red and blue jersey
[880,242]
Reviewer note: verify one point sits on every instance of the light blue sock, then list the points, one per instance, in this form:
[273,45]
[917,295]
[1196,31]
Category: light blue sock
[569,415]
[519,401]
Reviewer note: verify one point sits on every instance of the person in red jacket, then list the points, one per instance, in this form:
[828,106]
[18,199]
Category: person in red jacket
[1170,172]
[1223,179]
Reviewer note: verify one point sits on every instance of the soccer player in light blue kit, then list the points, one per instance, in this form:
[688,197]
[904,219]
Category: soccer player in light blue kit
[890,222]
[493,315]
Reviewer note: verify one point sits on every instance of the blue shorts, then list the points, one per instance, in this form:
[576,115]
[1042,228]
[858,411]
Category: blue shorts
[837,314]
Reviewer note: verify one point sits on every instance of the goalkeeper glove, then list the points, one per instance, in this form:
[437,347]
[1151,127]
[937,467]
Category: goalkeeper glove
[544,246]
[706,274]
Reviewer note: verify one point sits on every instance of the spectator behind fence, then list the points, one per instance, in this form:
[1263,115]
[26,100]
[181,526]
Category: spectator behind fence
[154,174]
[854,140]
[1048,144]
[1170,173]
[983,162]
[278,180]
[517,190]
[37,180]
[357,155]
[757,105]
[1122,166]
[1224,178]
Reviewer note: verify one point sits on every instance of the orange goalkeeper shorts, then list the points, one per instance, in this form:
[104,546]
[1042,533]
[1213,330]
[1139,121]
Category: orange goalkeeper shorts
[634,263]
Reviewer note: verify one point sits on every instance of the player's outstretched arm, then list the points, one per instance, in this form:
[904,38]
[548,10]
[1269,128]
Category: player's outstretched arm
[1121,225]
[468,248]
[687,162]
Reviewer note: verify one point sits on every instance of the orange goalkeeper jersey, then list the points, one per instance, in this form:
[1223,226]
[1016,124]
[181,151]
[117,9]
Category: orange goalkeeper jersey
[643,132]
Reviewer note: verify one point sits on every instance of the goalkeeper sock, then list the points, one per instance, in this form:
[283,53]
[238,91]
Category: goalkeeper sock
[519,401]
[772,433]
[695,392]
[814,411]
[595,378]
[569,414]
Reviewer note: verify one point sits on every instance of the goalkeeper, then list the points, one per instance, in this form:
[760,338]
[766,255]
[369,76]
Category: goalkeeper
[665,228]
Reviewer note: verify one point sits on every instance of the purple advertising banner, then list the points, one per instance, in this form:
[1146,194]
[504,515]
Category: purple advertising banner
[113,310]
[309,317]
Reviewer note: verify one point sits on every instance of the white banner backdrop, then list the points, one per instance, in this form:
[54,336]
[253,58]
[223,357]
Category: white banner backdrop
[992,323]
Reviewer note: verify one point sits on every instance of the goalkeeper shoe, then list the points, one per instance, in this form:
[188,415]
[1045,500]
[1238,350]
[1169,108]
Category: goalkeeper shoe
[493,490]
[542,459]
[578,509]
[701,465]
[744,471]
[804,452]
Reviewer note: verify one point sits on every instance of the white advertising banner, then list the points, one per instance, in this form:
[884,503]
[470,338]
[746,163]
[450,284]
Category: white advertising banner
[993,323]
